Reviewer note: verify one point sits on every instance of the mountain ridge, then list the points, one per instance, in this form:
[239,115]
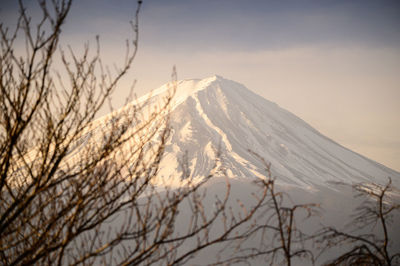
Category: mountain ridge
[214,112]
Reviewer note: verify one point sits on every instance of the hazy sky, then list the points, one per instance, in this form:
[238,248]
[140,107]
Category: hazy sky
[335,64]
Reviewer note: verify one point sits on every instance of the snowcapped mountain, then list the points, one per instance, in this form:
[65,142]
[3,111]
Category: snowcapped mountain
[219,114]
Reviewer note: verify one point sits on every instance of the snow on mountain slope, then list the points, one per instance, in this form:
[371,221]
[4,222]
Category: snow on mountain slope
[218,114]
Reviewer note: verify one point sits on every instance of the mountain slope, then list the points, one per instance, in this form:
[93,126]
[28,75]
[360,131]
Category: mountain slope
[218,114]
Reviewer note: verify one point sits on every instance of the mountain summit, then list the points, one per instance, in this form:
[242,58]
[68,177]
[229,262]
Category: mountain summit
[218,114]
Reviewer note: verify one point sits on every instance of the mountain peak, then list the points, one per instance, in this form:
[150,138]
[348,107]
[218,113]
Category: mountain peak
[201,84]
[215,113]
[216,77]
[190,87]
